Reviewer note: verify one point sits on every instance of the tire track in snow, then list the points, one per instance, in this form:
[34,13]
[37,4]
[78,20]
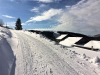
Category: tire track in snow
[63,67]
[34,69]
[42,59]
[26,53]
[84,69]
[27,48]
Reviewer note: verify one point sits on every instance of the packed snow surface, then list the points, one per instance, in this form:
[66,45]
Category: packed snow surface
[25,53]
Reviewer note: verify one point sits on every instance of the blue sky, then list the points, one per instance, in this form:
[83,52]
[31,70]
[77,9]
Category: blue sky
[66,15]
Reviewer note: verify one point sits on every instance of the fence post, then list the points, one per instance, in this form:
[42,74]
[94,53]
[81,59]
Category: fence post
[91,47]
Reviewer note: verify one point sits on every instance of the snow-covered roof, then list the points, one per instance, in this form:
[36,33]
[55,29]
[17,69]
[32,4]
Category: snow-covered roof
[70,41]
[61,36]
[94,43]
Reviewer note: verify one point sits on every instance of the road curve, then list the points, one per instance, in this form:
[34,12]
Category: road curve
[37,58]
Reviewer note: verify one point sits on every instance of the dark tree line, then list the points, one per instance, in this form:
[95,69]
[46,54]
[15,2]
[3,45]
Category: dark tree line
[18,25]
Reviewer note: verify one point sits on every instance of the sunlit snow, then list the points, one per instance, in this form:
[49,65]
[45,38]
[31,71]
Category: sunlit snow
[26,53]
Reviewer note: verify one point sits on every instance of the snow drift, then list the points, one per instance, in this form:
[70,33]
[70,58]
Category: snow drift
[6,54]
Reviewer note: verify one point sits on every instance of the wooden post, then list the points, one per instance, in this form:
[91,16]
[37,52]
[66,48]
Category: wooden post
[91,47]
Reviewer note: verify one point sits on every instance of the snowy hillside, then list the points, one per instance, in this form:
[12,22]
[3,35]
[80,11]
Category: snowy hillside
[26,53]
[7,58]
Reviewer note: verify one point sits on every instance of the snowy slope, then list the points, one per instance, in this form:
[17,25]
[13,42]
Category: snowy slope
[36,55]
[7,59]
[43,58]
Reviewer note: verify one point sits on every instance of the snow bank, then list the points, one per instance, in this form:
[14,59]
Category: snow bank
[89,53]
[6,54]
[95,61]
[5,32]
[83,56]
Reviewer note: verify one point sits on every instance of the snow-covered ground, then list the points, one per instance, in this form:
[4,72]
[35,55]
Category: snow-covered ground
[70,41]
[26,53]
[61,36]
[93,43]
[7,58]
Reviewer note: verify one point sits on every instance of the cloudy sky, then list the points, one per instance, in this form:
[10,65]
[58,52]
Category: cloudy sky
[82,16]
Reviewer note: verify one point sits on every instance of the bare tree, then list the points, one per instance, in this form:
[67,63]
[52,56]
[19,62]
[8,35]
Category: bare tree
[1,22]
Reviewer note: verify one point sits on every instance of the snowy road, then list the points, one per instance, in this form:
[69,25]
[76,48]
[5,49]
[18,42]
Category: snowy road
[35,56]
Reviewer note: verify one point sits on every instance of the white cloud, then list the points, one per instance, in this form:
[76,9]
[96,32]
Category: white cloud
[11,0]
[83,17]
[86,10]
[67,6]
[46,15]
[24,24]
[7,16]
[47,1]
[35,9]
[10,24]
[42,5]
